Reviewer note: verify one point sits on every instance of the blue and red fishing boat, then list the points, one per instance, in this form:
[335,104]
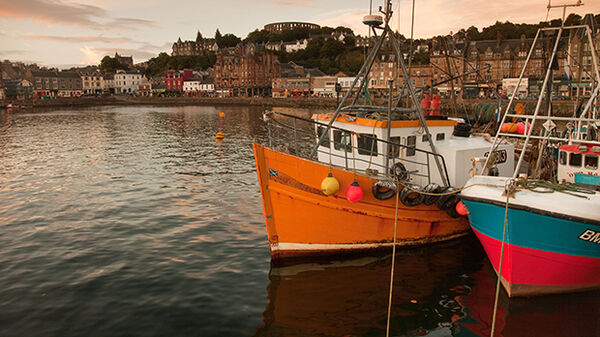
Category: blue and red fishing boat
[551,241]
[543,236]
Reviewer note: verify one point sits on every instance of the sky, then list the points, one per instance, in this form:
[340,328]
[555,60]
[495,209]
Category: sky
[65,33]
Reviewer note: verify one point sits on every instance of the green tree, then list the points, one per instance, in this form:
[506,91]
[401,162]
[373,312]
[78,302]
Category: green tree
[111,64]
[229,40]
[332,48]
[218,37]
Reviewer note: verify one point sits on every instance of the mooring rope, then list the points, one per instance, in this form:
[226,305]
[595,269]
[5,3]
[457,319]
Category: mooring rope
[508,189]
[387,329]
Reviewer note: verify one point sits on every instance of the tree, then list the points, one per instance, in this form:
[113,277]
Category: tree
[229,40]
[111,64]
[218,36]
[332,48]
[199,37]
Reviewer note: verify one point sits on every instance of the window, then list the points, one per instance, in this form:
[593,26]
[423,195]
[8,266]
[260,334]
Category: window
[425,139]
[325,141]
[367,144]
[341,140]
[394,150]
[411,142]
[575,159]
[591,161]
[440,136]
[562,158]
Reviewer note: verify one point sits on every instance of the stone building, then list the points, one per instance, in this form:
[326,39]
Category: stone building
[45,83]
[278,27]
[69,84]
[246,70]
[506,58]
[92,82]
[193,48]
[580,66]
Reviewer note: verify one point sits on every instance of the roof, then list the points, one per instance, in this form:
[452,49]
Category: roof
[43,73]
[68,74]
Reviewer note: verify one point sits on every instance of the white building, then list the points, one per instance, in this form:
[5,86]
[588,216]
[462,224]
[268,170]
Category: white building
[198,87]
[92,83]
[127,82]
[295,46]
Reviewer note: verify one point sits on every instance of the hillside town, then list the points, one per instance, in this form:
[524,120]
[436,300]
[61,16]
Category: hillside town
[253,69]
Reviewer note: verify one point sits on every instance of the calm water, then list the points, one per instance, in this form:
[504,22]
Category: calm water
[133,221]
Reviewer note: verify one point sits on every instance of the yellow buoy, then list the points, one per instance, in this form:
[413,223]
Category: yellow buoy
[220,135]
[330,185]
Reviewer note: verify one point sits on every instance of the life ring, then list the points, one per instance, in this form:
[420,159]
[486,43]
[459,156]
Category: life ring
[434,189]
[441,201]
[384,189]
[450,206]
[410,195]
[399,171]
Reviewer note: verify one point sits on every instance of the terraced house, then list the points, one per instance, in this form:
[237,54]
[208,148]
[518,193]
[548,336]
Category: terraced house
[245,70]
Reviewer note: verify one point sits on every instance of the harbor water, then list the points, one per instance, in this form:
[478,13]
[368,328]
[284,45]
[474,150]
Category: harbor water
[134,221]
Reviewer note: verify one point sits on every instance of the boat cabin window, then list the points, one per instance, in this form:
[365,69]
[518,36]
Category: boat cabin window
[575,159]
[394,150]
[425,138]
[411,142]
[440,136]
[325,141]
[341,140]
[562,158]
[591,161]
[367,144]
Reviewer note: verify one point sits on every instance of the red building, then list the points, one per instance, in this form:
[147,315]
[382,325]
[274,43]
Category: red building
[246,70]
[174,79]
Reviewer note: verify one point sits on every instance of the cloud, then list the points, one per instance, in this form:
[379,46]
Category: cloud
[438,17]
[2,32]
[293,3]
[351,18]
[51,12]
[131,23]
[62,13]
[13,52]
[139,55]
[80,39]
[91,55]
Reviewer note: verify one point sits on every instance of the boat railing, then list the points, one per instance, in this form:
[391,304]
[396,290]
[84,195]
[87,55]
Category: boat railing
[298,135]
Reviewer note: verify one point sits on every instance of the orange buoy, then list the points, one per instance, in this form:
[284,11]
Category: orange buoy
[220,135]
[509,127]
[221,114]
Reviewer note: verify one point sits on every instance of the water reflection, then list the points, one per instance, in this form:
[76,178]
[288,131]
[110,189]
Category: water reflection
[444,290]
[350,297]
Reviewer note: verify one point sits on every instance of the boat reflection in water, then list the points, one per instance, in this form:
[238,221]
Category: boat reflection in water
[443,290]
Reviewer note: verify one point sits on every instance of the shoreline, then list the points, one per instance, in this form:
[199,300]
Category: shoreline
[564,107]
[178,101]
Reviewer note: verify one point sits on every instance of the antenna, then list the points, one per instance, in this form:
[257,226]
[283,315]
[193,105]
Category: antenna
[564,7]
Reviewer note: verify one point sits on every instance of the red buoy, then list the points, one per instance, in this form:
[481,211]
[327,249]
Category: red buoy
[354,193]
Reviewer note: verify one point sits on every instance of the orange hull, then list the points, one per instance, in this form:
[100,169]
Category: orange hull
[300,220]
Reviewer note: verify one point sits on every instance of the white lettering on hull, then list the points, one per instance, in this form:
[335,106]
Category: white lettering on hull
[591,236]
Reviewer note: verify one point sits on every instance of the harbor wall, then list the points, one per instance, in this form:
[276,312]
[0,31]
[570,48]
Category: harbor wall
[468,107]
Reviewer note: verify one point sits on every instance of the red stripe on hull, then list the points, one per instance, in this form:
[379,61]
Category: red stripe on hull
[528,266]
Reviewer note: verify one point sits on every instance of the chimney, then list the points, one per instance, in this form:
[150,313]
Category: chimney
[498,38]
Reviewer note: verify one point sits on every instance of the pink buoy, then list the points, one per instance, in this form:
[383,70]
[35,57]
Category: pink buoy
[522,129]
[461,208]
[354,193]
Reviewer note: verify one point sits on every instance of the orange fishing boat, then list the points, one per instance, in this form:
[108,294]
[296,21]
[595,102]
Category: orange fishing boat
[366,176]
